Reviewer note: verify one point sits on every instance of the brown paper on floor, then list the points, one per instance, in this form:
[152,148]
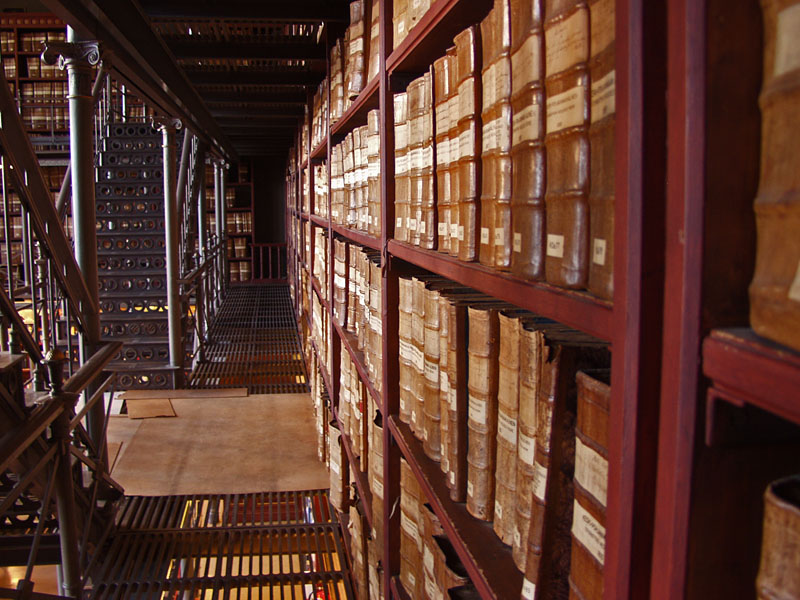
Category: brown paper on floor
[149,408]
[113,453]
[191,393]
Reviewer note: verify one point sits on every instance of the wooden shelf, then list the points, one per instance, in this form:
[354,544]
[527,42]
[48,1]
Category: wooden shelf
[576,309]
[356,115]
[748,369]
[320,152]
[351,344]
[434,34]
[318,290]
[398,591]
[487,560]
[358,237]
[317,220]
[323,368]
[361,478]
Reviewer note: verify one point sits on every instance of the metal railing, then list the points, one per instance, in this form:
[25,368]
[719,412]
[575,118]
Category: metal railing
[269,262]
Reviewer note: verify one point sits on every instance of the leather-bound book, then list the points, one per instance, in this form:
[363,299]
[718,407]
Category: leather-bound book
[431,407]
[591,486]
[415,91]
[482,422]
[376,476]
[374,173]
[427,214]
[406,358]
[400,22]
[411,575]
[340,282]
[430,527]
[402,181]
[457,400]
[450,571]
[374,355]
[374,62]
[442,94]
[338,467]
[469,140]
[547,565]
[505,496]
[566,34]
[602,76]
[444,383]
[418,356]
[775,289]
[453,151]
[527,152]
[779,571]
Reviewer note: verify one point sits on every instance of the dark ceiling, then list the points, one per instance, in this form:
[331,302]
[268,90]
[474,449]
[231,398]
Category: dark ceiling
[238,72]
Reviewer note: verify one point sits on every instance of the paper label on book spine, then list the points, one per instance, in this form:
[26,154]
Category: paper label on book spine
[499,236]
[454,230]
[589,532]
[422,227]
[555,245]
[409,526]
[411,224]
[539,481]
[427,558]
[528,590]
[377,488]
[526,448]
[591,471]
[401,164]
[398,223]
[466,143]
[470,489]
[567,42]
[490,136]
[526,123]
[466,98]
[603,97]
[517,242]
[442,228]
[599,251]
[566,109]
[526,63]
[460,233]
[451,475]
[453,398]
[502,78]
[787,40]
[484,235]
[477,410]
[444,382]
[443,153]
[507,428]
[432,372]
[498,510]
[794,289]
[418,359]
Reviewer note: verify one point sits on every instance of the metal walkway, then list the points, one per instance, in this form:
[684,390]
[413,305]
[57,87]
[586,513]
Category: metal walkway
[253,343]
[285,545]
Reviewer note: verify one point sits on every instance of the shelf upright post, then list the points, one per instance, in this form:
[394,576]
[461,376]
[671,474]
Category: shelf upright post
[219,200]
[168,128]
[78,56]
[223,180]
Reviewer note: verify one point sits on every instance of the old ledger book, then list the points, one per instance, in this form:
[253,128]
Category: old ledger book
[418,357]
[527,150]
[406,366]
[411,575]
[442,94]
[495,232]
[431,407]
[591,486]
[775,290]
[454,407]
[566,34]
[402,180]
[453,152]
[601,148]
[469,139]
[779,572]
[339,469]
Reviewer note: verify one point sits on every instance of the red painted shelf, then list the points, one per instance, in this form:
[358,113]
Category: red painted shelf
[358,237]
[487,560]
[317,289]
[356,115]
[434,34]
[398,591]
[350,342]
[362,479]
[317,220]
[748,369]
[576,309]
[322,367]
[321,151]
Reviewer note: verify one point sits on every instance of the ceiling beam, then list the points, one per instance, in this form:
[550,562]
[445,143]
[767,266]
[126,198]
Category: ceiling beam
[257,113]
[295,10]
[254,78]
[282,96]
[195,47]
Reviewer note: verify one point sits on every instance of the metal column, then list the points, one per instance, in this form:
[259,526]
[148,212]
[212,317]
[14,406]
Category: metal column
[219,200]
[226,277]
[171,227]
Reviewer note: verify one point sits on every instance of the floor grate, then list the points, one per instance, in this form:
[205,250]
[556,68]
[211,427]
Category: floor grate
[268,545]
[253,343]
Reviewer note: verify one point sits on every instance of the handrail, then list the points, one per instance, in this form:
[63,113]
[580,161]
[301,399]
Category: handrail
[206,264]
[91,368]
[28,343]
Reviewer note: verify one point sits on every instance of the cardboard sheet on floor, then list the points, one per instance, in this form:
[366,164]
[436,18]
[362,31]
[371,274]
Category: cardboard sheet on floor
[215,393]
[113,453]
[247,444]
[148,408]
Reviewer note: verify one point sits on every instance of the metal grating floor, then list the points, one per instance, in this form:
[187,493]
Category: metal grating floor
[253,343]
[285,545]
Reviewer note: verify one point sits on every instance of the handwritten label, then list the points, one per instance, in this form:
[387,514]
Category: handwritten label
[498,510]
[567,109]
[466,98]
[507,427]
[470,489]
[539,481]
[517,242]
[460,233]
[442,228]
[484,235]
[555,245]
[567,42]
[603,97]
[527,122]
[599,251]
[526,447]
[787,47]
[528,590]
[454,230]
[499,236]
[377,488]
[427,558]
[591,471]
[526,63]
[589,532]
[477,410]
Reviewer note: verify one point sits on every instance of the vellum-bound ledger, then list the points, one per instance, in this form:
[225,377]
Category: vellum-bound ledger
[495,232]
[376,476]
[355,50]
[340,282]
[431,407]
[527,152]
[566,34]
[374,173]
[453,153]
[411,575]
[469,140]
[416,109]
[374,42]
[418,356]
[602,76]
[591,486]
[442,94]
[779,571]
[454,399]
[402,181]
[775,289]
[406,351]
[338,467]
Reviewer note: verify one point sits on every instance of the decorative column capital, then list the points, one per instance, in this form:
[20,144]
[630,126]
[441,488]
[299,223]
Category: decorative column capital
[168,124]
[85,53]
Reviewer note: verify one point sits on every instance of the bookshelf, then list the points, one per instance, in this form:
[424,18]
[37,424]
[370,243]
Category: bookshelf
[239,226]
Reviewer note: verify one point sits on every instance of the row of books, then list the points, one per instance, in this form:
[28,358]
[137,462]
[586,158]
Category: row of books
[8,42]
[355,178]
[321,332]
[240,270]
[405,16]
[50,118]
[43,92]
[321,190]
[306,190]
[238,248]
[10,71]
[519,391]
[321,261]
[240,222]
[39,69]
[34,41]
[520,117]
[319,115]
[306,242]
[429,565]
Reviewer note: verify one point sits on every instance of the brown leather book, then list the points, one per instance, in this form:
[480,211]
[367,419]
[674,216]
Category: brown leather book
[566,33]
[340,282]
[374,173]
[601,148]
[779,571]
[775,289]
[431,408]
[482,421]
[411,571]
[402,180]
[444,383]
[430,527]
[374,355]
[418,356]
[527,152]
[457,402]
[355,50]
[442,95]
[376,476]
[373,66]
[469,141]
[406,365]
[591,486]
[452,115]
[450,571]
[416,117]
[339,469]
[427,213]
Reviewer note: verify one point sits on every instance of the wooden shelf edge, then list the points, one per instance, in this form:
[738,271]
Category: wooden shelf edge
[357,356]
[317,220]
[487,560]
[317,289]
[749,369]
[362,479]
[320,151]
[356,115]
[576,309]
[358,237]
[323,368]
[398,591]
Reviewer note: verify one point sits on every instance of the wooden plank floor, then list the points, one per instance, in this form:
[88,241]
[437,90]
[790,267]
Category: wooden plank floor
[253,343]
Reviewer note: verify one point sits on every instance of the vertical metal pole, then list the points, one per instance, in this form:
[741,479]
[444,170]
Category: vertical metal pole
[202,229]
[220,228]
[7,230]
[171,221]
[224,193]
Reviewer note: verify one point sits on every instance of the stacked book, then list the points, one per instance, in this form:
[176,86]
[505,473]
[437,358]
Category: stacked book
[321,190]
[319,116]
[355,178]
[406,15]
[320,266]
[356,52]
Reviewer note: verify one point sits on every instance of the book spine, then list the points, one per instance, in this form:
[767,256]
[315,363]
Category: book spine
[457,408]
[431,408]
[775,289]
[406,368]
[338,469]
[411,570]
[779,570]
[416,118]
[441,93]
[566,33]
[418,356]
[427,212]
[482,413]
[402,184]
[453,152]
